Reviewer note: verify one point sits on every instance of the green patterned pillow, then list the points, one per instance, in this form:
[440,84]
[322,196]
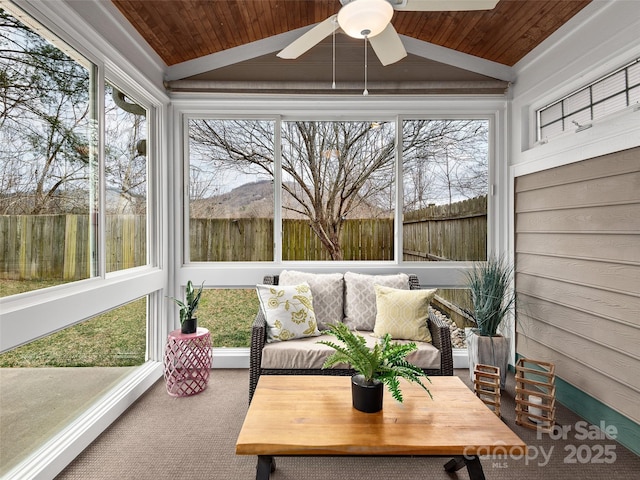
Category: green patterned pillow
[403,314]
[289,311]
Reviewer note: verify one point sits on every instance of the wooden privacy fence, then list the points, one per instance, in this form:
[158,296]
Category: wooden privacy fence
[251,239]
[59,246]
[447,232]
[224,239]
[37,247]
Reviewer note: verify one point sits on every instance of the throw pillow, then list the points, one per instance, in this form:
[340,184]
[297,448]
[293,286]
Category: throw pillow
[328,294]
[288,311]
[360,297]
[403,314]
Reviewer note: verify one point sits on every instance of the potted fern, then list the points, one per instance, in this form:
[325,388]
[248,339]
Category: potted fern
[383,364]
[188,308]
[492,298]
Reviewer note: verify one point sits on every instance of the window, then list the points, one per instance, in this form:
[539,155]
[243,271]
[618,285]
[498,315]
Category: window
[55,228]
[445,165]
[126,181]
[228,313]
[52,395]
[231,190]
[337,189]
[612,93]
[48,161]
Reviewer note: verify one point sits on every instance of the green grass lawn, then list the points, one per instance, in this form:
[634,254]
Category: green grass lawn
[117,338]
[228,314]
[13,287]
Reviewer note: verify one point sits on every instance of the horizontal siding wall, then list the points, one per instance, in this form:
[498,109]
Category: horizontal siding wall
[577,242]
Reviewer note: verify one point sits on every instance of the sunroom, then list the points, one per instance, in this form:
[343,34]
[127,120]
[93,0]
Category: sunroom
[181,168]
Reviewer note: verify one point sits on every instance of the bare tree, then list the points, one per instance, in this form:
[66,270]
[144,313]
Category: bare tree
[333,170]
[45,124]
[444,161]
[329,169]
[336,168]
[125,154]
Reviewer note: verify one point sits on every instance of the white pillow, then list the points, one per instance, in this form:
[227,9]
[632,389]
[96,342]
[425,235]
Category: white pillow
[403,314]
[288,311]
[360,297]
[327,290]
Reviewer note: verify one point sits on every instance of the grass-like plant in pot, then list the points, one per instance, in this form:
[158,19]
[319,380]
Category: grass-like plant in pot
[188,308]
[492,295]
[493,299]
[384,364]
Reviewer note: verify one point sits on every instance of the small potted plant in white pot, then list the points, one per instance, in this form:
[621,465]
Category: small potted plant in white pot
[492,298]
[188,308]
[383,364]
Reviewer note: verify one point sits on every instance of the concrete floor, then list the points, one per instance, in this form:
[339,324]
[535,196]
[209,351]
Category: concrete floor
[37,403]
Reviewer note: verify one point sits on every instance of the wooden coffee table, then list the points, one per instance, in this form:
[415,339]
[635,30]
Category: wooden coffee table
[312,415]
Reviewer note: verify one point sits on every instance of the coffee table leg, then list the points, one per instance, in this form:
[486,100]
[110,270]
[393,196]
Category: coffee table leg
[474,467]
[266,466]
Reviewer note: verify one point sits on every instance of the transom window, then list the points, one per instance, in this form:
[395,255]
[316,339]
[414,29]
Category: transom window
[611,93]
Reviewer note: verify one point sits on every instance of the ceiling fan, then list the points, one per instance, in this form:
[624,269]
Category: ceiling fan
[371,19]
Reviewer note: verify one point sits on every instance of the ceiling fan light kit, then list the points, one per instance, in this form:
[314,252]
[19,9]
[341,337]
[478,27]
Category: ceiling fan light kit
[365,18]
[371,20]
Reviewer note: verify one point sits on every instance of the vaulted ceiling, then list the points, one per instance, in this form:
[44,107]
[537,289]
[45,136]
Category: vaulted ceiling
[191,35]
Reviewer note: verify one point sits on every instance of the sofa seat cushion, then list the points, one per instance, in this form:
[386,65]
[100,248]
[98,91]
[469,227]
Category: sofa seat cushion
[306,353]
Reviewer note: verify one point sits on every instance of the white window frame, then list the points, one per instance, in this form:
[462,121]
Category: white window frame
[246,275]
[35,314]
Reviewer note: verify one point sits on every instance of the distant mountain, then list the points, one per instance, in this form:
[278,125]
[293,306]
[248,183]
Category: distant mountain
[246,194]
[253,200]
[249,200]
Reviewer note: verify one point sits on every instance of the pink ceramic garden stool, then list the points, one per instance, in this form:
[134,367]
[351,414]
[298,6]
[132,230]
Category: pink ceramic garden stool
[187,362]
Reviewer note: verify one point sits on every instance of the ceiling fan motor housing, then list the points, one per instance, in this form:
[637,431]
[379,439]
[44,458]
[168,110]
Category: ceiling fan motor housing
[365,18]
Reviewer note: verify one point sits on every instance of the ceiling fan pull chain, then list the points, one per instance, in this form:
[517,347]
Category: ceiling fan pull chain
[333,84]
[366,92]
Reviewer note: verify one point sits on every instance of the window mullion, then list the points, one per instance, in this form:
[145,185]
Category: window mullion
[98,217]
[399,191]
[277,191]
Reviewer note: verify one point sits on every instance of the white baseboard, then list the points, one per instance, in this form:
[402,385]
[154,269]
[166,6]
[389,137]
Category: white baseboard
[460,358]
[230,358]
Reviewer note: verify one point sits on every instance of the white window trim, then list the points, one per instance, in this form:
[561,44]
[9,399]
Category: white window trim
[246,275]
[71,303]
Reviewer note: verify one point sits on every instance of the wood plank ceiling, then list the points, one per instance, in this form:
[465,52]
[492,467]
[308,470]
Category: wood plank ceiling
[187,30]
[181,30]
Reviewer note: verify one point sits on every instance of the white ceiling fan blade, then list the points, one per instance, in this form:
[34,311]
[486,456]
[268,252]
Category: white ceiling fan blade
[444,5]
[310,39]
[388,46]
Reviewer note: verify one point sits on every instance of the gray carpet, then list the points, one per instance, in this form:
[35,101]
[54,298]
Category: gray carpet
[161,437]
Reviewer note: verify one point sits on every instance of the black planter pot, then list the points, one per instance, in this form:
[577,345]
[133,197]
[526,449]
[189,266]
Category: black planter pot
[190,326]
[366,397]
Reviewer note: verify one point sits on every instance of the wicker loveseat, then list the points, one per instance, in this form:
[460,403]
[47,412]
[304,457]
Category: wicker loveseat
[439,352]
